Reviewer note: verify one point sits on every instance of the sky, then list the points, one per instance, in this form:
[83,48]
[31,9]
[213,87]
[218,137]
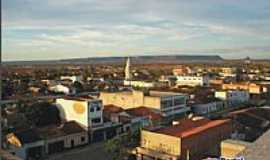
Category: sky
[60,29]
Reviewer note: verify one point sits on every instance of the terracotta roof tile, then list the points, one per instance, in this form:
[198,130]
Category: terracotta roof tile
[144,111]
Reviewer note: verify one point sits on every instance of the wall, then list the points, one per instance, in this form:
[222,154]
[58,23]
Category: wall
[22,151]
[206,142]
[124,100]
[152,102]
[95,113]
[192,80]
[76,139]
[202,109]
[73,110]
[232,149]
[160,142]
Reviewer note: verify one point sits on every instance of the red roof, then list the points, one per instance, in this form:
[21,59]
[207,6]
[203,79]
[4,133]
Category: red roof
[187,127]
[112,109]
[144,112]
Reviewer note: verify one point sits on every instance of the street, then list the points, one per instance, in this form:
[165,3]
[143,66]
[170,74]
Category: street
[90,152]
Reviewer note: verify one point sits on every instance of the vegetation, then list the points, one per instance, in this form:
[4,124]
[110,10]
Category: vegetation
[118,147]
[41,114]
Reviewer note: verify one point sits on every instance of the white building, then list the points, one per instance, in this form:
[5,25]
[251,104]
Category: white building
[59,89]
[138,83]
[86,111]
[72,78]
[144,84]
[228,72]
[233,97]
[192,80]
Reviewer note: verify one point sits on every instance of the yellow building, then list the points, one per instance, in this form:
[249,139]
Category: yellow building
[190,139]
[251,87]
[232,148]
[167,103]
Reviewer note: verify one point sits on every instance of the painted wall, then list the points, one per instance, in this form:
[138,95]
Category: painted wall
[160,142]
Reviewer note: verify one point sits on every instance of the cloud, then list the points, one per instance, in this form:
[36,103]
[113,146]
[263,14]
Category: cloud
[133,25]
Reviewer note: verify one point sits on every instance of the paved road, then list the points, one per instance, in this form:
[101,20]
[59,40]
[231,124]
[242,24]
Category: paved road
[90,152]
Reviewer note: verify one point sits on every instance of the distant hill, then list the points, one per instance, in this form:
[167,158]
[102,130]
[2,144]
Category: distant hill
[135,59]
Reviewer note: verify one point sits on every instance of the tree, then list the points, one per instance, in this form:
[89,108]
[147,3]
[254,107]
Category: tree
[78,86]
[116,147]
[42,114]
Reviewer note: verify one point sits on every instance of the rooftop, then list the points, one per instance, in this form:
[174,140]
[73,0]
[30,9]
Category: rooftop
[252,122]
[143,112]
[67,128]
[27,136]
[187,127]
[259,149]
[151,93]
[81,98]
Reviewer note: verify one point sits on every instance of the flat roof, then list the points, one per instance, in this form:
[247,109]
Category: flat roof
[259,149]
[164,94]
[81,98]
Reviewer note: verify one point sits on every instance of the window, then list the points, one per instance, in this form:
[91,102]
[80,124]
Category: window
[179,101]
[96,120]
[166,103]
[98,108]
[92,109]
[82,139]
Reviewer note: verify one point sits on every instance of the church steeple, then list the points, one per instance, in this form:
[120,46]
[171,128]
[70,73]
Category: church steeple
[128,75]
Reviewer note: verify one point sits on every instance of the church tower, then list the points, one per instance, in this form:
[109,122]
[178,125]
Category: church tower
[128,75]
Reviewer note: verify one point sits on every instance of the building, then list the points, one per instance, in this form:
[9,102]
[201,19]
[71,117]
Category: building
[37,143]
[167,103]
[207,106]
[72,78]
[129,81]
[144,84]
[258,149]
[232,148]
[132,119]
[191,139]
[250,123]
[233,97]
[192,80]
[182,70]
[86,111]
[252,88]
[228,72]
[66,136]
[25,144]
[59,88]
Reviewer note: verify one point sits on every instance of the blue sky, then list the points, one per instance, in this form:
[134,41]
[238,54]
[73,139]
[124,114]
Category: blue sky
[57,29]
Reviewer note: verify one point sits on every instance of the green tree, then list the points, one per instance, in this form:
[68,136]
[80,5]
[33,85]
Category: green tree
[42,114]
[117,148]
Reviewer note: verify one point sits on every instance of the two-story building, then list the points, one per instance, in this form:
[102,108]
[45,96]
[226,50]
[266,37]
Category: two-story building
[86,111]
[233,97]
[192,80]
[189,139]
[167,103]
